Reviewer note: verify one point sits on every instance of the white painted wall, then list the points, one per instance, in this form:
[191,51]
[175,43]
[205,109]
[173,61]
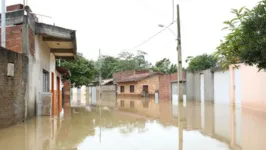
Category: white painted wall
[42,60]
[222,87]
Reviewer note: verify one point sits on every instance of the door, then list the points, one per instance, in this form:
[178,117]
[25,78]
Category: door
[145,90]
[202,100]
[58,95]
[93,95]
[53,95]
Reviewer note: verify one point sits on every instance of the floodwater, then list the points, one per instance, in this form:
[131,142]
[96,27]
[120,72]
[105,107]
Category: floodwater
[142,124]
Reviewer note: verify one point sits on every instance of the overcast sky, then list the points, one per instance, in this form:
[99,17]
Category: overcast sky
[117,25]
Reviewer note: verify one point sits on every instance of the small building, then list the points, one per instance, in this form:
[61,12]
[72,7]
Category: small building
[140,83]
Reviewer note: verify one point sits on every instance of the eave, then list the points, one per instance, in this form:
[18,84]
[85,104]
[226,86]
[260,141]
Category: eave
[61,41]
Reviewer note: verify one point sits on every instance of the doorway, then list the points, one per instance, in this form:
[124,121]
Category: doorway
[53,95]
[145,90]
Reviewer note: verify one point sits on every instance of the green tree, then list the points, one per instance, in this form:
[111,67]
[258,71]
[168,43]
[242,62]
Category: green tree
[82,70]
[253,40]
[201,62]
[109,65]
[228,52]
[165,66]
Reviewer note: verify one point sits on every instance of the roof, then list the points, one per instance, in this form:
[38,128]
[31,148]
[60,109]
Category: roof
[107,81]
[137,77]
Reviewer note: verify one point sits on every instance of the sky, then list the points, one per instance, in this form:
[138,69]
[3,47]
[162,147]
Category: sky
[118,25]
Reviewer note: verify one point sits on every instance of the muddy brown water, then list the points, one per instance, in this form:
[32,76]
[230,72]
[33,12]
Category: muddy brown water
[137,124]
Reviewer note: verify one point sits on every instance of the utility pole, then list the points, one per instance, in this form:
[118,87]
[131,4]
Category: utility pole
[180,83]
[3,24]
[100,74]
[173,4]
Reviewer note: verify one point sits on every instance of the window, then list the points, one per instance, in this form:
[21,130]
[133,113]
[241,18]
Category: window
[122,89]
[122,103]
[132,88]
[132,104]
[45,81]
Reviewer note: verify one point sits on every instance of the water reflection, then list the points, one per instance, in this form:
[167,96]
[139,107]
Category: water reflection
[143,123]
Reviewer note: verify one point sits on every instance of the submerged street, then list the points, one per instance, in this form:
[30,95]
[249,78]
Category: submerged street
[141,124]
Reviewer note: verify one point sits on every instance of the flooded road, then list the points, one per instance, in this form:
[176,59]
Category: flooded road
[142,124]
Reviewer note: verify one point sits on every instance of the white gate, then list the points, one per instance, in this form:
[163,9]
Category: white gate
[202,100]
[221,87]
[174,93]
[93,95]
[78,95]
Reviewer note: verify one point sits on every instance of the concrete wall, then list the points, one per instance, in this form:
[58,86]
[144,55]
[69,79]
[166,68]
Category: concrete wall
[13,88]
[193,85]
[253,83]
[152,82]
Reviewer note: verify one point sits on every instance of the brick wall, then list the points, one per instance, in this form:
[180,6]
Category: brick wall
[12,89]
[67,87]
[14,38]
[165,85]
[31,42]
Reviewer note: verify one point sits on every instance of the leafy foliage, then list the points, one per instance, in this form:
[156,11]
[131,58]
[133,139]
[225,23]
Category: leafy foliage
[125,61]
[228,51]
[246,41]
[201,62]
[82,70]
[253,51]
[165,66]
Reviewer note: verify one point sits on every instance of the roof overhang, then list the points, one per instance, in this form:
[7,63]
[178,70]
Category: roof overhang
[61,41]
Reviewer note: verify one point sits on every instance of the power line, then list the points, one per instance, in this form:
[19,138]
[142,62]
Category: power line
[166,27]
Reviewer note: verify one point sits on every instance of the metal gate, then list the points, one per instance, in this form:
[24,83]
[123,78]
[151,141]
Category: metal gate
[93,95]
[174,93]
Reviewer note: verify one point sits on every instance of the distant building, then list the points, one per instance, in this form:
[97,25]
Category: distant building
[147,83]
[139,83]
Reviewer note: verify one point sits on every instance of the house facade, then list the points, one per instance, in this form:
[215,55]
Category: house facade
[138,84]
[43,44]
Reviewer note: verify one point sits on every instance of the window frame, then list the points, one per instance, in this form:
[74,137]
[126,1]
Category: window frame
[122,89]
[132,89]
[45,81]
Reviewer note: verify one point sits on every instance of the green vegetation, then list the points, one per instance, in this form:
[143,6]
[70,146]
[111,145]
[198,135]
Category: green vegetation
[246,42]
[201,62]
[85,71]
[82,70]
[165,66]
